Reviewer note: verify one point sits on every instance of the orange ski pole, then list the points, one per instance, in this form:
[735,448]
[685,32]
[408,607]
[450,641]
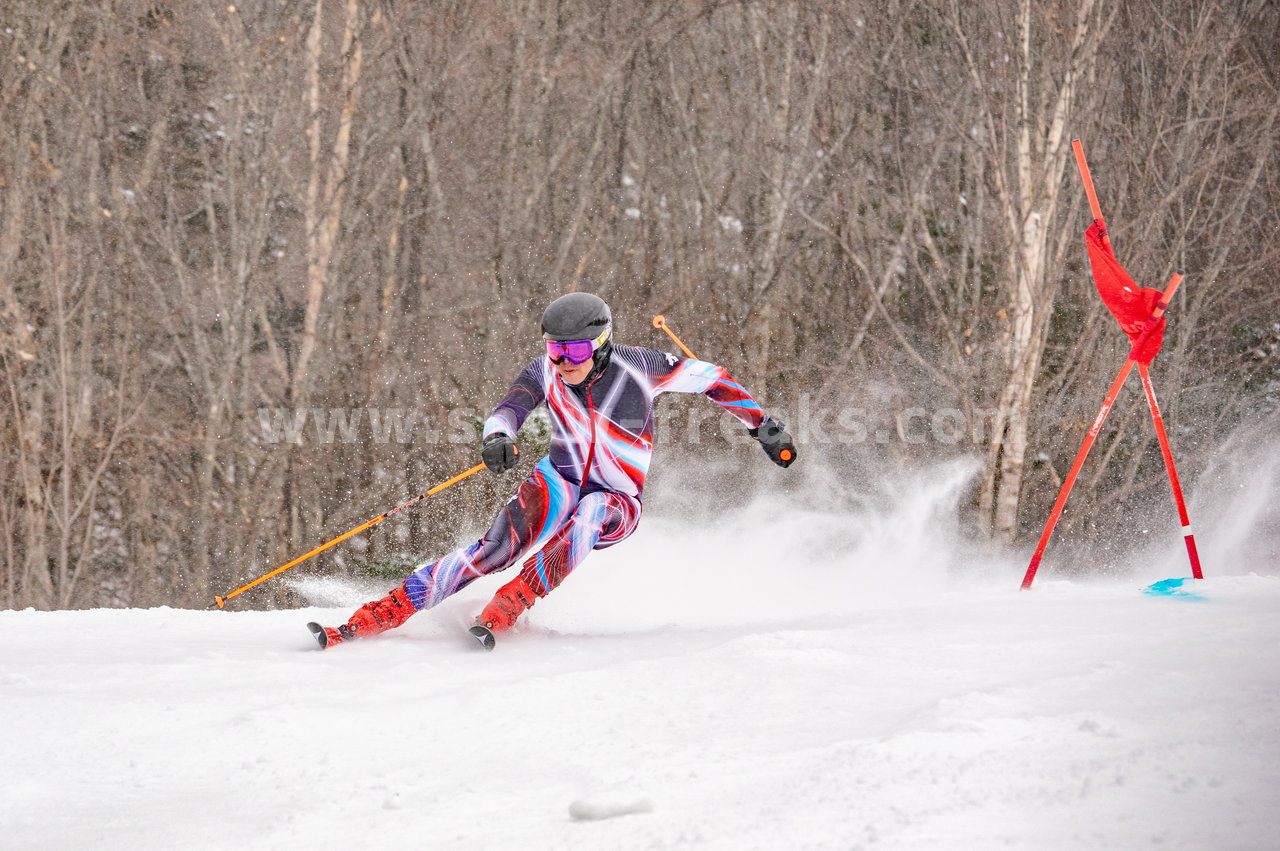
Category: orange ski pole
[222,601]
[660,321]
[1083,453]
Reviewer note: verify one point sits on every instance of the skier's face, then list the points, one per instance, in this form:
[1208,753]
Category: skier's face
[574,373]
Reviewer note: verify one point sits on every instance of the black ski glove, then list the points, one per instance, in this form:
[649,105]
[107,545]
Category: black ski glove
[500,452]
[776,442]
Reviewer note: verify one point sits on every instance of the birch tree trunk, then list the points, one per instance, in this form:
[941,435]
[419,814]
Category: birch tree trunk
[327,186]
[1027,164]
[787,148]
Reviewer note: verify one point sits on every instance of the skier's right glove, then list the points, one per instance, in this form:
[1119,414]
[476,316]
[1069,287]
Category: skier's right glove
[500,452]
[776,442]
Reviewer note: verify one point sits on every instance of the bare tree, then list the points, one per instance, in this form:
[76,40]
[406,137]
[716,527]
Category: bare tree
[264,266]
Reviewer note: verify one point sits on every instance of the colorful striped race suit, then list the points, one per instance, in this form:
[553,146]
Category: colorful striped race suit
[602,430]
[585,494]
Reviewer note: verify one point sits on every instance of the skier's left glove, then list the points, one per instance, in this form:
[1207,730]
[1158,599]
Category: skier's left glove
[776,442]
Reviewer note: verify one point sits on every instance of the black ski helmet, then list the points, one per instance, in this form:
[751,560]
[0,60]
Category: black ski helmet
[576,316]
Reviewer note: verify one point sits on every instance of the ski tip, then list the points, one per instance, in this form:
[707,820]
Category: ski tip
[484,636]
[317,632]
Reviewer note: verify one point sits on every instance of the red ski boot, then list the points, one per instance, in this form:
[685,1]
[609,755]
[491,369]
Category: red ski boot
[370,619]
[507,605]
[381,615]
[327,636]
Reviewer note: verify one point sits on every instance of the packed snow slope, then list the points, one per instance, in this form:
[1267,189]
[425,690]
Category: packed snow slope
[848,679]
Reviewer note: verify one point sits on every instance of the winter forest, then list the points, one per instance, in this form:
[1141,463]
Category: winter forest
[266,266]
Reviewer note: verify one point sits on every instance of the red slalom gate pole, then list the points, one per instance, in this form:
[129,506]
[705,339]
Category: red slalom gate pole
[1083,453]
[1070,481]
[1163,437]
[1078,149]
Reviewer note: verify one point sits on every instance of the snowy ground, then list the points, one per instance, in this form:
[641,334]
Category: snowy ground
[830,683]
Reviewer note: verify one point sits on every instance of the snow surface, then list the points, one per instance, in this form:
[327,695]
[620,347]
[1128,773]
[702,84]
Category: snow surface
[848,678]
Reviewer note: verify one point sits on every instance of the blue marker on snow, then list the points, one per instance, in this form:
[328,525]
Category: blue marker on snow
[1171,588]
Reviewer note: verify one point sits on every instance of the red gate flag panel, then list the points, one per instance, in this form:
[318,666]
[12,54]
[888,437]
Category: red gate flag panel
[1132,306]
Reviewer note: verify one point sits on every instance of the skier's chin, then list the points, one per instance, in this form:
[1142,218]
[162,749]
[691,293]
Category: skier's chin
[574,375]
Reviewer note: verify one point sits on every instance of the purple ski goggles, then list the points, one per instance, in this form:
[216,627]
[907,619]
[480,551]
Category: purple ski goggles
[577,352]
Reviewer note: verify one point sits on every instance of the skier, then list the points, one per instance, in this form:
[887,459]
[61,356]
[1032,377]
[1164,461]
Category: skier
[585,494]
